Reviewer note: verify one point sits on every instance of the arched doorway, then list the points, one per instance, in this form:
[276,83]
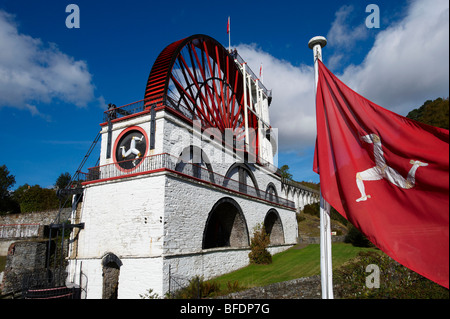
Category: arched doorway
[225,226]
[274,227]
[111,270]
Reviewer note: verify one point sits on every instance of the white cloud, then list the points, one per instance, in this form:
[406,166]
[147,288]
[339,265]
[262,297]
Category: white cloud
[407,65]
[343,36]
[31,72]
[409,61]
[292,110]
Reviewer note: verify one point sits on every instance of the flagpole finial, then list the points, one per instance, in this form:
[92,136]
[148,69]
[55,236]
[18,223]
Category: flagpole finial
[322,41]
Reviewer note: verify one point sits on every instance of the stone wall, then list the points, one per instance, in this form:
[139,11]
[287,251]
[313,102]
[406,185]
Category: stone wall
[15,227]
[42,218]
[316,240]
[300,288]
[155,221]
[23,258]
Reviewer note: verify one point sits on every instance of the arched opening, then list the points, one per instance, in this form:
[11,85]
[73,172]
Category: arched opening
[194,162]
[111,271]
[225,226]
[241,173]
[273,226]
[271,193]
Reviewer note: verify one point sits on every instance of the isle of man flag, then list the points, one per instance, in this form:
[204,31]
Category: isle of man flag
[388,175]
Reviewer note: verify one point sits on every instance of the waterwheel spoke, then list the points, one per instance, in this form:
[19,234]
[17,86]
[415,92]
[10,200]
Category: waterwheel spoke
[199,78]
[203,100]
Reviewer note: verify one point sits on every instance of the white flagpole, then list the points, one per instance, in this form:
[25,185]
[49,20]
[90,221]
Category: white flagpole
[229,35]
[316,44]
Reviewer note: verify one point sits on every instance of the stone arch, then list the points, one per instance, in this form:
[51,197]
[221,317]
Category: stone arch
[287,191]
[243,171]
[191,161]
[111,271]
[271,193]
[274,227]
[226,226]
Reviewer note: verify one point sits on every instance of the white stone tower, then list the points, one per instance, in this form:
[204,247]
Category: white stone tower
[184,177]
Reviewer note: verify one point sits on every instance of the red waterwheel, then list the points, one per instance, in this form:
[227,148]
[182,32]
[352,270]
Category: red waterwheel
[198,78]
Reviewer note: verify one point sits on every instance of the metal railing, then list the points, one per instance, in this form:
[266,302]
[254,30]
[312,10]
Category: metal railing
[48,285]
[165,161]
[240,60]
[125,110]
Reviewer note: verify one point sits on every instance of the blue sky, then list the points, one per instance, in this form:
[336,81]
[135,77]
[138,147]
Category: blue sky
[55,81]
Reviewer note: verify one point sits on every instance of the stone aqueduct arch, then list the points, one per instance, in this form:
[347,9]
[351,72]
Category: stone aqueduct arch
[274,227]
[226,225]
[301,195]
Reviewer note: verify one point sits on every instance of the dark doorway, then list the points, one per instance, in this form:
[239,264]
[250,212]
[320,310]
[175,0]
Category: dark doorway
[111,271]
[274,228]
[226,226]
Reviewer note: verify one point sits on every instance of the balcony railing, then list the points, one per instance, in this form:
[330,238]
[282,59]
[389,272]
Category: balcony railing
[167,162]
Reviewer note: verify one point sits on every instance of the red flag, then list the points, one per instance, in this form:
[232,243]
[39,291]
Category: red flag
[388,175]
[228,25]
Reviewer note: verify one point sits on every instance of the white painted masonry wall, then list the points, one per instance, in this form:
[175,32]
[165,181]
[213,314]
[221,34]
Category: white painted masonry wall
[187,206]
[162,224]
[155,220]
[123,217]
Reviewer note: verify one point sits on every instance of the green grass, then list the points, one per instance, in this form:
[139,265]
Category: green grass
[290,264]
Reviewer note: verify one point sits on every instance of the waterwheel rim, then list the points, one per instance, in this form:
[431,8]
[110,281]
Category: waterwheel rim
[198,77]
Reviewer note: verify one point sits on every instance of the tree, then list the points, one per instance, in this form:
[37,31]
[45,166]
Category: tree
[356,238]
[285,172]
[35,198]
[435,113]
[7,181]
[63,180]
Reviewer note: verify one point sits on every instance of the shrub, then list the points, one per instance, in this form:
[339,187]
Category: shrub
[356,238]
[258,245]
[312,209]
[396,281]
[149,295]
[197,288]
[300,217]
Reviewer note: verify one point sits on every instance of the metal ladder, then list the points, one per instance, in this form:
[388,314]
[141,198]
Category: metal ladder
[72,188]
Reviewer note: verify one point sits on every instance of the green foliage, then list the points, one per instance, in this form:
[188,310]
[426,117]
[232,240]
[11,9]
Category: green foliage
[435,113]
[149,295]
[285,172]
[300,217]
[258,245]
[314,210]
[197,288]
[396,281]
[63,180]
[311,185]
[9,206]
[356,238]
[7,181]
[35,198]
